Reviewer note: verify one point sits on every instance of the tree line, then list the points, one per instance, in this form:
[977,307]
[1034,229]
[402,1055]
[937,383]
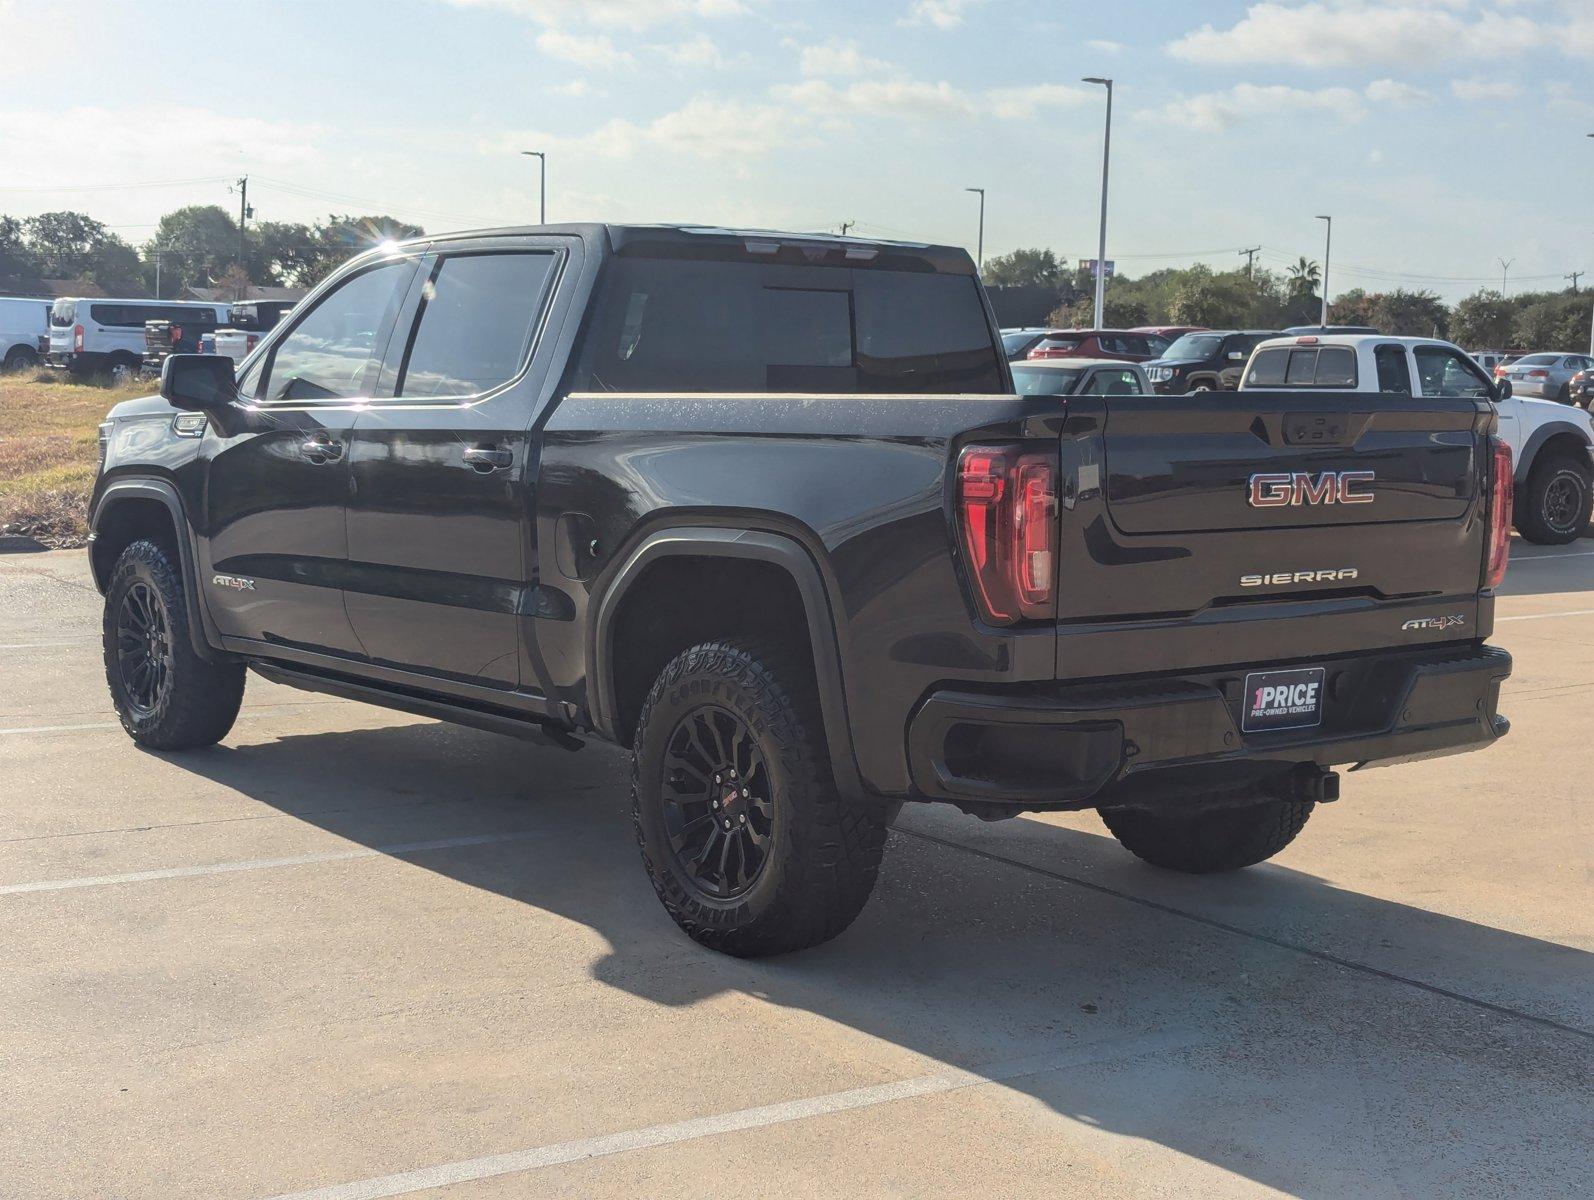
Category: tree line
[1264,299]
[198,246]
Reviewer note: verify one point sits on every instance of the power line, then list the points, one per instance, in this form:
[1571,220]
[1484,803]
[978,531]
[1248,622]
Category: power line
[113,187]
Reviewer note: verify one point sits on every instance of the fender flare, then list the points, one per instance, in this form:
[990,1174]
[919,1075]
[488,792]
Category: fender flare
[202,632]
[1536,439]
[780,550]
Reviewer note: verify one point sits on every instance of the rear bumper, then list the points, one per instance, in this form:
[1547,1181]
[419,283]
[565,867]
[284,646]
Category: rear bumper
[1085,745]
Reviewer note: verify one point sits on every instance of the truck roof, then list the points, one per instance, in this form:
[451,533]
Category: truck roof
[754,245]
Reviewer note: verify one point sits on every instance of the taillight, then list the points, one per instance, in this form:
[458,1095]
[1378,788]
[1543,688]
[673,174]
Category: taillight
[1538,373]
[77,338]
[1007,510]
[1501,483]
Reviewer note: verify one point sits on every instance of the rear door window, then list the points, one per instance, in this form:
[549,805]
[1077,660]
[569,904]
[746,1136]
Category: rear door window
[1394,375]
[474,329]
[1109,382]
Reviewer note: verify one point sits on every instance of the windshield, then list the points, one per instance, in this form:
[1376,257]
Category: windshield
[1194,345]
[1046,381]
[63,313]
[1012,342]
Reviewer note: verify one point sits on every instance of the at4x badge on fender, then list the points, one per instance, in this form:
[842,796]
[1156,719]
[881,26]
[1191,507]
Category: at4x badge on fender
[236,582]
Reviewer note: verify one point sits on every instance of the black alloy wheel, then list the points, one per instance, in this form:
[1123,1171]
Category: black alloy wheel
[719,813]
[143,648]
[1563,503]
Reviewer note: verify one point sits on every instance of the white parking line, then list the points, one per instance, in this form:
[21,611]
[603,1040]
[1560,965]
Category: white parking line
[1517,561]
[250,714]
[264,864]
[1575,612]
[37,645]
[951,1080]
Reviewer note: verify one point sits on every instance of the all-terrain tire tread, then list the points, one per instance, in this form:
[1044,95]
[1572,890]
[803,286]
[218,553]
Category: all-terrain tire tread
[1530,519]
[202,702]
[832,855]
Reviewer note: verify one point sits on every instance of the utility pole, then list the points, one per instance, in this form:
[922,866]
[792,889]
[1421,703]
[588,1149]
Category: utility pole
[1328,242]
[979,253]
[1505,270]
[846,225]
[244,213]
[542,184]
[1250,257]
[157,251]
[1574,277]
[1101,247]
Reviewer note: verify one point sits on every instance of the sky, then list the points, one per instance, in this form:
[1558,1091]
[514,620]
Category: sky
[1442,135]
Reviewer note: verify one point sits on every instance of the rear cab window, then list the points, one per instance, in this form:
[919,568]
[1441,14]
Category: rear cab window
[691,326]
[1303,367]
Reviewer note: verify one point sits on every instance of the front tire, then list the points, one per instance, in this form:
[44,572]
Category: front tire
[166,696]
[1204,840]
[742,833]
[1554,506]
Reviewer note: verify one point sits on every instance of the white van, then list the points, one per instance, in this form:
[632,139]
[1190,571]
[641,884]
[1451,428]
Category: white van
[89,335]
[23,323]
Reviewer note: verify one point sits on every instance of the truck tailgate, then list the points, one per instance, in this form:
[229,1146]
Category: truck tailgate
[1267,526]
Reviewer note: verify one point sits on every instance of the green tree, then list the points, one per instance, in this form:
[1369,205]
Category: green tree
[1555,321]
[115,267]
[17,258]
[342,237]
[64,242]
[197,244]
[1304,277]
[1354,307]
[1483,320]
[282,253]
[1024,268]
[1218,301]
[1410,314]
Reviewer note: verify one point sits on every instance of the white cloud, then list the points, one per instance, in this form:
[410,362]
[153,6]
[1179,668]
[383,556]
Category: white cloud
[704,127]
[575,87]
[699,51]
[628,14]
[1392,91]
[916,99]
[942,14]
[594,50]
[838,58]
[1375,156]
[1359,32]
[1213,112]
[1485,89]
[1104,46]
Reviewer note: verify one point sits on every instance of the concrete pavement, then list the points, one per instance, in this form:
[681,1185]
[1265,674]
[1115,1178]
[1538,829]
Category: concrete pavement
[349,953]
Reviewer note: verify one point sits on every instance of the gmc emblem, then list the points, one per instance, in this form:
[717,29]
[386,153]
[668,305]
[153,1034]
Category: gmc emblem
[1301,487]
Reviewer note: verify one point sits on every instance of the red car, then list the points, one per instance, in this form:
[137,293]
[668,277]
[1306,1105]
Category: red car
[1125,345]
[1171,333]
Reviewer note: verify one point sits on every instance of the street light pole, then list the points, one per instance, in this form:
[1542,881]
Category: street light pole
[979,253]
[1505,271]
[1328,243]
[542,184]
[157,251]
[1101,245]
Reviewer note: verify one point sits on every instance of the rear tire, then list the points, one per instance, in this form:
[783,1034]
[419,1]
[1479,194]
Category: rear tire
[20,358]
[768,859]
[1207,840]
[167,697]
[1554,505]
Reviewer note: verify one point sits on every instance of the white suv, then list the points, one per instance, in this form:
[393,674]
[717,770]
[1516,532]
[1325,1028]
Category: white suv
[1551,444]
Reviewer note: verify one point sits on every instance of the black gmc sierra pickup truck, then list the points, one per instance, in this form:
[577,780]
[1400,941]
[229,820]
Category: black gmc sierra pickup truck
[764,508]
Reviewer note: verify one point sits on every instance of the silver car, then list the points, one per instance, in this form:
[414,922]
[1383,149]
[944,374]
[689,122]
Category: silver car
[1547,376]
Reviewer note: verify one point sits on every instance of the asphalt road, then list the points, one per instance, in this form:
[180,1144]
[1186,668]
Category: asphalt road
[351,954]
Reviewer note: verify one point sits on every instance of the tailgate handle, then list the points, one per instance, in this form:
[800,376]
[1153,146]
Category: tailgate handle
[1316,429]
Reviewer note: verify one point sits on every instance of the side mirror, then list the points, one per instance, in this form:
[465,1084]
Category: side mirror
[1502,389]
[198,382]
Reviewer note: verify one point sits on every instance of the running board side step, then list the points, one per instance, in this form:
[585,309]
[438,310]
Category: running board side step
[421,704]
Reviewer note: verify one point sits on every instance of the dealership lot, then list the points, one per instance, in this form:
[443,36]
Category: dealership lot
[349,953]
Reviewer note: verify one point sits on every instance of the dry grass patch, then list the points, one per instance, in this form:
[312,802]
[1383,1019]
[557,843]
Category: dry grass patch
[49,439]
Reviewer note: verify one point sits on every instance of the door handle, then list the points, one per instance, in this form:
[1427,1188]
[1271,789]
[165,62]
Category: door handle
[485,459]
[321,449]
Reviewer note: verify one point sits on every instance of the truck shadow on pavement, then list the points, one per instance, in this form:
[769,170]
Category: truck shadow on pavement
[1222,1025]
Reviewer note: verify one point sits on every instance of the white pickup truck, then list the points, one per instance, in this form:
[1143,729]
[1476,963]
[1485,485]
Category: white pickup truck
[250,321]
[1551,444]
